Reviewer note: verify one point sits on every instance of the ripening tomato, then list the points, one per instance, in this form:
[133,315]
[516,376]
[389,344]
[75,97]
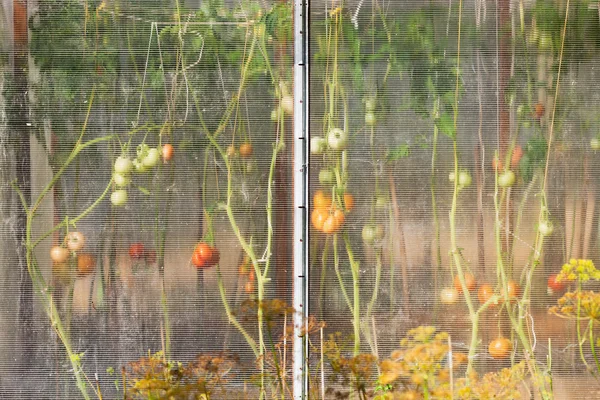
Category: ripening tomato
[318,218]
[330,225]
[555,286]
[59,254]
[348,201]
[205,255]
[485,293]
[448,296]
[246,150]
[86,263]
[249,287]
[136,251]
[470,282]
[516,156]
[321,200]
[167,152]
[75,241]
[539,110]
[513,290]
[500,348]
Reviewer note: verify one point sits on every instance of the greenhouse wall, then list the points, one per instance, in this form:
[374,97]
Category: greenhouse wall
[334,199]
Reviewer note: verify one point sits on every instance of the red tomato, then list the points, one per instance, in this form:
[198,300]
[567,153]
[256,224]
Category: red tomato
[136,251]
[469,281]
[204,251]
[500,348]
[554,286]
[198,261]
[215,257]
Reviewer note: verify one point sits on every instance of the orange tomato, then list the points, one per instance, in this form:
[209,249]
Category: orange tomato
[318,218]
[249,287]
[198,261]
[500,348]
[167,152]
[516,156]
[86,263]
[321,200]
[339,217]
[246,150]
[539,110]
[485,292]
[513,290]
[251,276]
[330,225]
[470,282]
[204,251]
[348,201]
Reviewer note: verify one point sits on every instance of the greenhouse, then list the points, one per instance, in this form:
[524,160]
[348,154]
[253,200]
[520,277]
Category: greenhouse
[277,199]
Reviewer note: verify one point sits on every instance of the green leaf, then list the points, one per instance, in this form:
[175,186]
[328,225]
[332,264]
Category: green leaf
[399,152]
[445,124]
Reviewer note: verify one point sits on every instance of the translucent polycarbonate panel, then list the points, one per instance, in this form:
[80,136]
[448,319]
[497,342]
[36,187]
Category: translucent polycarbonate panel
[151,142]
[453,176]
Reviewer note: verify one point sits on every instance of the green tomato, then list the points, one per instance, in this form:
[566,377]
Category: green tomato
[123,165]
[381,201]
[119,197]
[318,145]
[139,167]
[595,143]
[326,176]
[121,179]
[372,232]
[370,104]
[151,158]
[464,179]
[337,139]
[370,119]
[545,42]
[506,179]
[287,104]
[546,228]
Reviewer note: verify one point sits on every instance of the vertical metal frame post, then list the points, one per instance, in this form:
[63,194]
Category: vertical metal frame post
[300,179]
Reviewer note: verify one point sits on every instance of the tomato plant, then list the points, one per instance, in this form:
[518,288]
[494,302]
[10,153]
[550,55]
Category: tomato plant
[136,250]
[75,241]
[59,254]
[500,348]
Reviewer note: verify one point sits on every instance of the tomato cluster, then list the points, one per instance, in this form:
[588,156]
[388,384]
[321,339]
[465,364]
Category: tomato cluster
[327,217]
[205,255]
